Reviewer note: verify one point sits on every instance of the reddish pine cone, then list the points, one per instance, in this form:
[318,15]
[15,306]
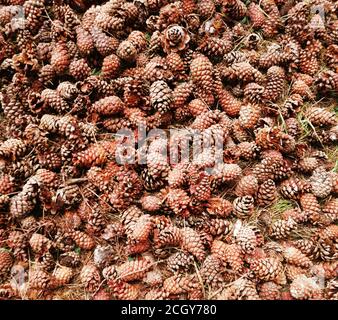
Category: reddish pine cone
[6,262]
[275,84]
[79,69]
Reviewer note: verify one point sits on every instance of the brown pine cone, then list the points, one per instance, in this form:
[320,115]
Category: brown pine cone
[192,242]
[180,261]
[179,283]
[178,201]
[310,204]
[63,275]
[245,237]
[133,270]
[53,99]
[122,290]
[161,96]
[256,15]
[270,291]
[229,104]
[211,271]
[90,277]
[321,117]
[247,186]
[267,193]
[79,69]
[275,84]
[94,155]
[303,288]
[39,279]
[321,182]
[110,67]
[6,262]
[282,228]
[39,243]
[293,188]
[126,51]
[104,44]
[219,207]
[268,269]
[243,206]
[60,58]
[84,41]
[83,240]
[201,73]
[249,116]
[294,256]
[169,236]
[206,8]
[234,257]
[108,106]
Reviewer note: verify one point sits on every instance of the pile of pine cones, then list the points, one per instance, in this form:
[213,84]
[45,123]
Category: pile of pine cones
[76,224]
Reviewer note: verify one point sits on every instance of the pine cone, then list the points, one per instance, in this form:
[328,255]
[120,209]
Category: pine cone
[309,203]
[178,284]
[142,228]
[256,15]
[191,242]
[219,207]
[201,73]
[294,256]
[206,8]
[84,41]
[270,291]
[268,269]
[282,228]
[60,58]
[110,66]
[266,193]
[169,236]
[12,149]
[229,104]
[180,261]
[275,84]
[126,51]
[211,271]
[243,206]
[253,93]
[161,96]
[175,38]
[94,155]
[321,117]
[53,99]
[215,47]
[233,255]
[39,279]
[321,182]
[79,69]
[245,237]
[249,116]
[83,240]
[217,226]
[108,106]
[178,201]
[292,188]
[39,243]
[104,44]
[271,168]
[6,262]
[303,288]
[133,270]
[63,275]
[90,277]
[247,186]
